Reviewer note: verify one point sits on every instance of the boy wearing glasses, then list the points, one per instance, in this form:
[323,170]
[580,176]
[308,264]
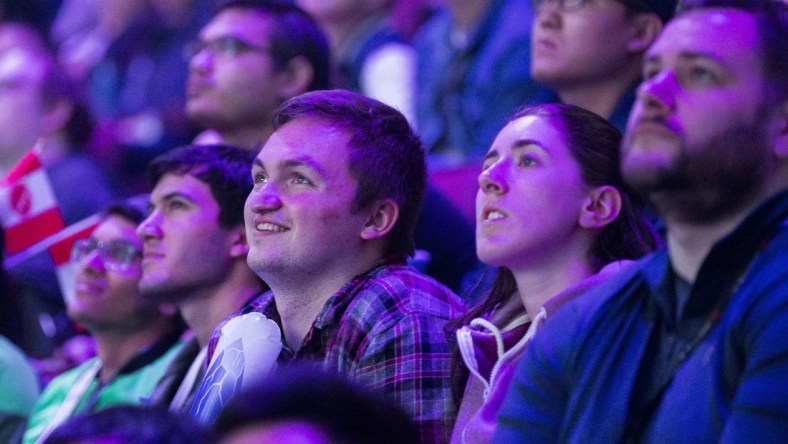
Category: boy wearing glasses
[251,57]
[589,52]
[135,338]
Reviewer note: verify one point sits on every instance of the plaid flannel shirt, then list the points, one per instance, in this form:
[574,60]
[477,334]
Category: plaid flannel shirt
[385,329]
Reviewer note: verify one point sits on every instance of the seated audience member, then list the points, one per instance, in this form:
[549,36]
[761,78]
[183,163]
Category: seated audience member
[330,223]
[251,57]
[589,52]
[472,74]
[135,338]
[689,345]
[38,105]
[303,405]
[554,216]
[234,89]
[19,388]
[195,252]
[370,56]
[128,425]
[18,383]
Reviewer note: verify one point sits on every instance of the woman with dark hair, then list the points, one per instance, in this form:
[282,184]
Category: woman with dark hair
[555,217]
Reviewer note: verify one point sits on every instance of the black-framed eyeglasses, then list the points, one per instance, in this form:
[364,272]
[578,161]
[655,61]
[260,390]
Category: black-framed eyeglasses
[227,46]
[116,255]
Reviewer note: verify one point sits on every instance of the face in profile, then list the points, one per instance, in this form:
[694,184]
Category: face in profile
[587,41]
[232,76]
[185,249]
[298,216]
[22,106]
[697,128]
[108,272]
[530,196]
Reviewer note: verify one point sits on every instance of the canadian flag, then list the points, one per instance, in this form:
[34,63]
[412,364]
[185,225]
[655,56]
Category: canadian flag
[32,221]
[28,209]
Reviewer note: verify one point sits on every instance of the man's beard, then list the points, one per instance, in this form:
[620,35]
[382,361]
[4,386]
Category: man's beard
[711,181]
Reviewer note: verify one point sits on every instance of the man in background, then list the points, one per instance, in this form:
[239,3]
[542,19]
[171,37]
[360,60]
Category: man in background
[689,345]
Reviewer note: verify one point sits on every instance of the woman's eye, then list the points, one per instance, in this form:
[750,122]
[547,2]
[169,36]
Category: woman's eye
[527,161]
[260,178]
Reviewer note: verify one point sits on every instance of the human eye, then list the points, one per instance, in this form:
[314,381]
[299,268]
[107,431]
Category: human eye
[300,179]
[121,250]
[704,75]
[527,160]
[228,46]
[650,69]
[489,161]
[259,178]
[175,205]
[700,74]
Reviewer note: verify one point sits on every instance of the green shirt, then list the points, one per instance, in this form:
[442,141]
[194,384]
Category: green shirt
[126,388]
[18,389]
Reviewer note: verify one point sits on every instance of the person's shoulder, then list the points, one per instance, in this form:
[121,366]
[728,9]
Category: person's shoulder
[405,290]
[607,298]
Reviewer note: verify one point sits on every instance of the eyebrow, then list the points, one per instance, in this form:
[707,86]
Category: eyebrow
[689,56]
[301,161]
[521,144]
[176,195]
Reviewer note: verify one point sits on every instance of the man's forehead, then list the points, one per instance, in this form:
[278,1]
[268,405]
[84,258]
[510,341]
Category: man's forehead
[245,23]
[722,34]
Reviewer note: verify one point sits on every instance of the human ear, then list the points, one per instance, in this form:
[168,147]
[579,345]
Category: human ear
[56,115]
[238,245]
[168,309]
[383,217]
[294,79]
[646,29]
[601,207]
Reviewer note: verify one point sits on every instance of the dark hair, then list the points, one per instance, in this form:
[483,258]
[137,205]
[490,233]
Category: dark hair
[771,17]
[386,156]
[55,84]
[293,33]
[347,413]
[594,144]
[134,209]
[664,9]
[224,168]
[128,424]
[11,319]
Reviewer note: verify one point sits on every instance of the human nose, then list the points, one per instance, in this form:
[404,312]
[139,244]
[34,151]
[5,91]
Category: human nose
[150,228]
[201,59]
[93,261]
[265,198]
[658,93]
[491,179]
[547,14]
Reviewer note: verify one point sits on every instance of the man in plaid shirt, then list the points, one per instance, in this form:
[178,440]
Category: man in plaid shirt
[337,189]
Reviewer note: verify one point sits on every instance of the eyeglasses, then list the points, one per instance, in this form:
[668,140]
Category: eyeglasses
[227,47]
[116,255]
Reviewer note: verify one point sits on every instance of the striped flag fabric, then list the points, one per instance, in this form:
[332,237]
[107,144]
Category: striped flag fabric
[28,210]
[32,221]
